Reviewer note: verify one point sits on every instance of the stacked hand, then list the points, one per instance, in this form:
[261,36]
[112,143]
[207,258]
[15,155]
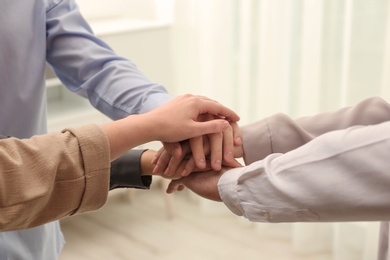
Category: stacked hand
[199,136]
[182,118]
[202,153]
[198,163]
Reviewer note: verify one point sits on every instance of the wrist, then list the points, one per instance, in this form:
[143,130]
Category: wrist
[125,134]
[146,162]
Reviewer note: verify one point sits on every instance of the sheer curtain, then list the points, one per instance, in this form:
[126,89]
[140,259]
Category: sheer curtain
[294,56]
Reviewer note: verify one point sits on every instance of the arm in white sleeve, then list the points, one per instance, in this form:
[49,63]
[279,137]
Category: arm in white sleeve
[339,176]
[280,133]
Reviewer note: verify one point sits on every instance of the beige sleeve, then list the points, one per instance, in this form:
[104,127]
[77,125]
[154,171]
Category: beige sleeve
[48,177]
[280,133]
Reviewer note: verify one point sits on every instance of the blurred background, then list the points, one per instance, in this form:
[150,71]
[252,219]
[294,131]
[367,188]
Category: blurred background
[258,57]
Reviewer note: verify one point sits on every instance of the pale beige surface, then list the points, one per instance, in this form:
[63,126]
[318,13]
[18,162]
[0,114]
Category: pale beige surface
[141,230]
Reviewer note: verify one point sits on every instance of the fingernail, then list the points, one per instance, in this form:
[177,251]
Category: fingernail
[217,162]
[229,156]
[225,125]
[202,163]
[167,172]
[156,169]
[238,141]
[184,172]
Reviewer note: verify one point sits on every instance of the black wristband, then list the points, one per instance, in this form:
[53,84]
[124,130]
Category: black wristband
[126,172]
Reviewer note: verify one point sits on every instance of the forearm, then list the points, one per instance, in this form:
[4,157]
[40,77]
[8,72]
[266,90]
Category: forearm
[78,165]
[339,176]
[146,162]
[280,133]
[72,165]
[88,66]
[127,133]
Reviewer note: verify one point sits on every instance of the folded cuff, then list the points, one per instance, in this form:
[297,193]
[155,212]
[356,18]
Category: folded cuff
[126,172]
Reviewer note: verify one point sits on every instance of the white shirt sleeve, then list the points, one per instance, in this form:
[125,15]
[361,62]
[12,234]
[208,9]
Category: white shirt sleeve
[342,175]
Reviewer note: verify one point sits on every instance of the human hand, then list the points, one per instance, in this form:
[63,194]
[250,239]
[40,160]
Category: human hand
[187,112]
[218,146]
[174,121]
[220,149]
[204,184]
[147,168]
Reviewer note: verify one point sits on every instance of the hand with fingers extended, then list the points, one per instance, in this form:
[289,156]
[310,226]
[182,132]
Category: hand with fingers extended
[147,167]
[214,150]
[182,118]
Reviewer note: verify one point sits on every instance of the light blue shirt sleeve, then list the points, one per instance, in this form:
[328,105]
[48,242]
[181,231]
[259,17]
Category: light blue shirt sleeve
[89,67]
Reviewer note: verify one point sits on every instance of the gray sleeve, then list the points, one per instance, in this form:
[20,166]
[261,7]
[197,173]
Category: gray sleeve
[126,172]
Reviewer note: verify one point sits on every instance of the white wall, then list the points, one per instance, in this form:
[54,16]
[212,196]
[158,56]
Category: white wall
[136,9]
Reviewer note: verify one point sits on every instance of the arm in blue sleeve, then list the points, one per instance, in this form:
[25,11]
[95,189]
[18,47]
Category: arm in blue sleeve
[88,66]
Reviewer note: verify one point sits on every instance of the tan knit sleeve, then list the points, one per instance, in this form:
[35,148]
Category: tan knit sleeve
[51,176]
